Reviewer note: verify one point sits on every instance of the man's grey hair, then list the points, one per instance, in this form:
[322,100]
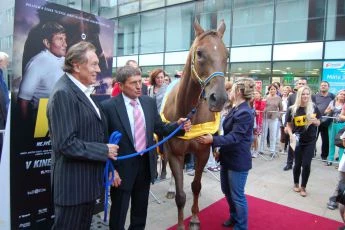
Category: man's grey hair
[77,54]
[3,56]
[125,72]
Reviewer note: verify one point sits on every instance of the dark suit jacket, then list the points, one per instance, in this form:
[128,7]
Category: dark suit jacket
[116,114]
[144,89]
[237,139]
[77,135]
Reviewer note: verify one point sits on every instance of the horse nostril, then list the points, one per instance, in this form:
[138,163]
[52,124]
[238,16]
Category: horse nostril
[213,97]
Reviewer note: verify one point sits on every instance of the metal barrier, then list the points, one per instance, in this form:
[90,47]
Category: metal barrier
[267,126]
[263,148]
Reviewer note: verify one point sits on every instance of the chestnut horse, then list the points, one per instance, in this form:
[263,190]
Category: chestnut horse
[201,87]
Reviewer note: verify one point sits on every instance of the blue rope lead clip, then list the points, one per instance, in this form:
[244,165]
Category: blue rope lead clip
[109,169]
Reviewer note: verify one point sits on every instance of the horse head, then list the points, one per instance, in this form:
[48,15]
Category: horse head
[208,63]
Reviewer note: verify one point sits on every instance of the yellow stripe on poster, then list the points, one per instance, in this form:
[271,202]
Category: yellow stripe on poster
[41,127]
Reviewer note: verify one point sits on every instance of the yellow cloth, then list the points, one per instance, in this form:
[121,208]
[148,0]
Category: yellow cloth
[200,129]
[197,129]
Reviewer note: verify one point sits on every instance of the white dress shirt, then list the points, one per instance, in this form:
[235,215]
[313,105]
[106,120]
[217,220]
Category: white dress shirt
[86,90]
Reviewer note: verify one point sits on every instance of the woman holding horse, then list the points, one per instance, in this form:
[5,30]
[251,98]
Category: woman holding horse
[235,156]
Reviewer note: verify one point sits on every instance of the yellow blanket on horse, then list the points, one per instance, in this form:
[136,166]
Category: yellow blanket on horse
[197,129]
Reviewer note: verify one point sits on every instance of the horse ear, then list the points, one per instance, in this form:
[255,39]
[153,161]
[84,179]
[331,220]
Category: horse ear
[221,28]
[197,28]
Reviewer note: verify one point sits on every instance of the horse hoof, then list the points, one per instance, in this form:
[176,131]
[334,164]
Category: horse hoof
[163,176]
[194,226]
[170,195]
[181,227]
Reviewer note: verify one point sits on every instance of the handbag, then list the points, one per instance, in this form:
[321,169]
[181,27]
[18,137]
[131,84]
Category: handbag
[326,121]
[338,141]
[340,198]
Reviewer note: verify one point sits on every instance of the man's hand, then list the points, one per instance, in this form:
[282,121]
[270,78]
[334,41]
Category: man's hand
[117,181]
[205,139]
[187,124]
[112,151]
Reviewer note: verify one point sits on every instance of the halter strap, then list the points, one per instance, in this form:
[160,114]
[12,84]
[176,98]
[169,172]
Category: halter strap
[203,83]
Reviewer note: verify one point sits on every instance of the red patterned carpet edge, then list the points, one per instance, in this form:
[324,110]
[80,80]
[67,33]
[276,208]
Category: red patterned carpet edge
[264,215]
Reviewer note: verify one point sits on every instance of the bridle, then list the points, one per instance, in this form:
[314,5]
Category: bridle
[203,83]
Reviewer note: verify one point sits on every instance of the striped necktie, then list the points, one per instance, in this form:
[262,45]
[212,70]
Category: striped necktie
[139,127]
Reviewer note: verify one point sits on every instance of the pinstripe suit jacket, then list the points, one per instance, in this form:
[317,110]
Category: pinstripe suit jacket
[116,114]
[77,135]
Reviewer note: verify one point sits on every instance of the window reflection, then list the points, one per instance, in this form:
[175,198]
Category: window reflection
[128,7]
[299,20]
[179,27]
[253,22]
[151,4]
[152,32]
[128,36]
[336,20]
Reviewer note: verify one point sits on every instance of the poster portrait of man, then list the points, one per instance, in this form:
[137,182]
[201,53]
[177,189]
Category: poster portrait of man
[43,33]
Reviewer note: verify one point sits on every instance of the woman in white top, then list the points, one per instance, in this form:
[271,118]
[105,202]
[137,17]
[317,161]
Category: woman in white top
[157,86]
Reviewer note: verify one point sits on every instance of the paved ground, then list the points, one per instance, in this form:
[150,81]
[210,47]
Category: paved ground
[266,180]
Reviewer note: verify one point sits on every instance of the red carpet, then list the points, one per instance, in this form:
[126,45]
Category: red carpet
[265,215]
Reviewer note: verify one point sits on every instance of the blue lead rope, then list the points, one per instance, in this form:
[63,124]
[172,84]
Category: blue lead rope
[109,167]
[109,170]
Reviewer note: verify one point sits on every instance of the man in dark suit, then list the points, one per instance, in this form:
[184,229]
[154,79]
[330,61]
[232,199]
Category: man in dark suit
[134,174]
[78,134]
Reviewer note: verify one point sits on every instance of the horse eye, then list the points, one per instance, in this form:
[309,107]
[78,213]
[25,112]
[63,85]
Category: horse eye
[199,53]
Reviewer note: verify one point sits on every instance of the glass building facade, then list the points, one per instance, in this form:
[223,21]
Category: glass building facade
[268,40]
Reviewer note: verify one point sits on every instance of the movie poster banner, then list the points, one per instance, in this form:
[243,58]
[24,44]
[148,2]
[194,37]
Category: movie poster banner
[43,32]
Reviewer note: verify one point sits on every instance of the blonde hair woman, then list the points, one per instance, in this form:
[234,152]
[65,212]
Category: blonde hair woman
[302,119]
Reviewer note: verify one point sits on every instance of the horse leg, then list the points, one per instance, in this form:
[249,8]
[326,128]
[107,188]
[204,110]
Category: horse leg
[171,191]
[164,162]
[176,165]
[200,163]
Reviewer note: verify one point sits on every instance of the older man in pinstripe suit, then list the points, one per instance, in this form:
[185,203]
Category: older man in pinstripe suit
[78,133]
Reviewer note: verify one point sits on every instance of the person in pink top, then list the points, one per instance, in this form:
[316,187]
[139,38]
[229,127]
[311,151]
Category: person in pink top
[259,106]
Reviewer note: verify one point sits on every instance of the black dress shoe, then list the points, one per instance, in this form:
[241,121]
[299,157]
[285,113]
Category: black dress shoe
[229,223]
[287,167]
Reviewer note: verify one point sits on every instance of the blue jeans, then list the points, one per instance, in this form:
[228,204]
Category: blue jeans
[232,184]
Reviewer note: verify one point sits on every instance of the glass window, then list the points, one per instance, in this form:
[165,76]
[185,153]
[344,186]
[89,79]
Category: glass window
[252,22]
[128,36]
[179,32]
[226,16]
[211,13]
[290,72]
[173,2]
[152,32]
[151,4]
[128,7]
[107,8]
[336,20]
[259,71]
[299,20]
